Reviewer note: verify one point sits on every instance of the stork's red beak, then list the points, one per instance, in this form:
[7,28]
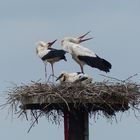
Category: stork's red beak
[51,43]
[82,40]
[81,37]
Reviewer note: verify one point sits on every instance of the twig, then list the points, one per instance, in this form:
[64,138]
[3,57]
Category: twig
[130,77]
[112,78]
[34,122]
[64,101]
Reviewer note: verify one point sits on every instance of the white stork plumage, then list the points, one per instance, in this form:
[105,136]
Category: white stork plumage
[83,55]
[76,77]
[48,54]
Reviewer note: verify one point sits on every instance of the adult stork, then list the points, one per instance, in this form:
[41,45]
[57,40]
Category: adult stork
[83,55]
[76,77]
[48,54]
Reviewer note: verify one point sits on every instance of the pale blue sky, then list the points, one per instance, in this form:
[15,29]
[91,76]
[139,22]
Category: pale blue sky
[115,26]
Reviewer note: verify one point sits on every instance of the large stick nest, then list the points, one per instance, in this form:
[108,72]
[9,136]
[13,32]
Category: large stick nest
[109,97]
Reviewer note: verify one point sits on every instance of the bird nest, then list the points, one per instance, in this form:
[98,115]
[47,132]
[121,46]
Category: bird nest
[108,97]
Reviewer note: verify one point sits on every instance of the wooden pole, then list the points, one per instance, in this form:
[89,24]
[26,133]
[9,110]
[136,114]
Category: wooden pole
[66,125]
[77,125]
[86,126]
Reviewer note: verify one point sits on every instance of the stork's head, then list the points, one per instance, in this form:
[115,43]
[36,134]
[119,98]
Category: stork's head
[77,40]
[41,45]
[62,77]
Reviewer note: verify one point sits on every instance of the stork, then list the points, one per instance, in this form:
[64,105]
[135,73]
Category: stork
[48,54]
[75,77]
[83,55]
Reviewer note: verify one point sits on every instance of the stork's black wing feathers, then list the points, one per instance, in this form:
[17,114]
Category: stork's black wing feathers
[96,62]
[55,53]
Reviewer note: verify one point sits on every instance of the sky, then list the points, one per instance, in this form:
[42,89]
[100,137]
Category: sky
[115,28]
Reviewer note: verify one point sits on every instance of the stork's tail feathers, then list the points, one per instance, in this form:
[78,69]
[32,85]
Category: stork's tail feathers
[63,55]
[105,66]
[96,62]
[65,58]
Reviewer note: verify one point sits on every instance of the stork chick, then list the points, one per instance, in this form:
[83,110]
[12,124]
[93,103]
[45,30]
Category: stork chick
[75,77]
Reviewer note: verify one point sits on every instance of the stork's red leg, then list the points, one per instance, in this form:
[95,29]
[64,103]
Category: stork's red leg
[45,71]
[82,70]
[52,72]
[52,69]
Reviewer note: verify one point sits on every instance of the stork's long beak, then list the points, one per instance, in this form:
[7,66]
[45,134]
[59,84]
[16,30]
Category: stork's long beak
[59,77]
[82,40]
[51,43]
[82,36]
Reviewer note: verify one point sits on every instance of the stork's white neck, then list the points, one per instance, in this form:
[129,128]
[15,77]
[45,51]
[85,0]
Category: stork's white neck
[66,45]
[41,51]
